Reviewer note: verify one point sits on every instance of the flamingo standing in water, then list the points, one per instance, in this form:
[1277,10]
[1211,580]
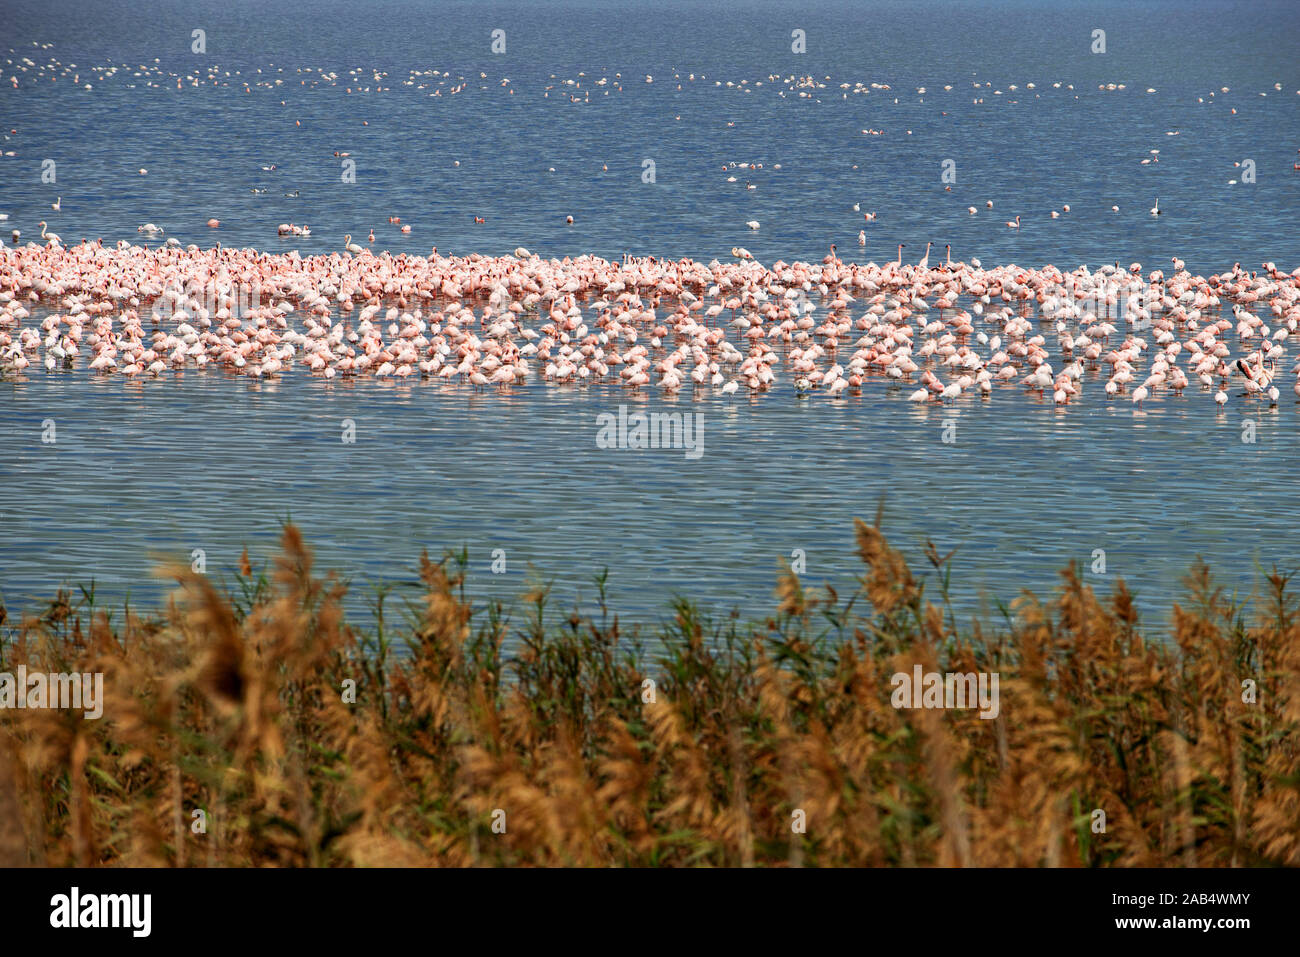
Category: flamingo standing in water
[1155,210]
[350,246]
[1015,225]
[51,238]
[925,260]
[1260,376]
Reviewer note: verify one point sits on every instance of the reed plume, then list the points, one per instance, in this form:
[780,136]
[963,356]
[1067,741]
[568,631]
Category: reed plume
[256,726]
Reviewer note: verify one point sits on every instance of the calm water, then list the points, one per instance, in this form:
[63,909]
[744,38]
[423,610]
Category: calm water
[142,469]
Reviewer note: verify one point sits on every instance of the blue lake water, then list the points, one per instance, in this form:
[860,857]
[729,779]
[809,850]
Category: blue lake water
[206,460]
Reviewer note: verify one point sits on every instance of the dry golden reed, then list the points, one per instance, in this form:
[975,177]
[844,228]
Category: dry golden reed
[257,728]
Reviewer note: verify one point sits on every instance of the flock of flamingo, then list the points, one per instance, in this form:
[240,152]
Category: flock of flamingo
[945,333]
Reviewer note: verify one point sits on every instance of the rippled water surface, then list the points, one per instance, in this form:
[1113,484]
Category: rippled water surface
[205,460]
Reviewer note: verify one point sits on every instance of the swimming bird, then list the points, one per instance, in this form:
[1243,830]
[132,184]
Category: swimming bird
[1155,210]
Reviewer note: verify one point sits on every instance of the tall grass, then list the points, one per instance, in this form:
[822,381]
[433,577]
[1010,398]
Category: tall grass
[237,705]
